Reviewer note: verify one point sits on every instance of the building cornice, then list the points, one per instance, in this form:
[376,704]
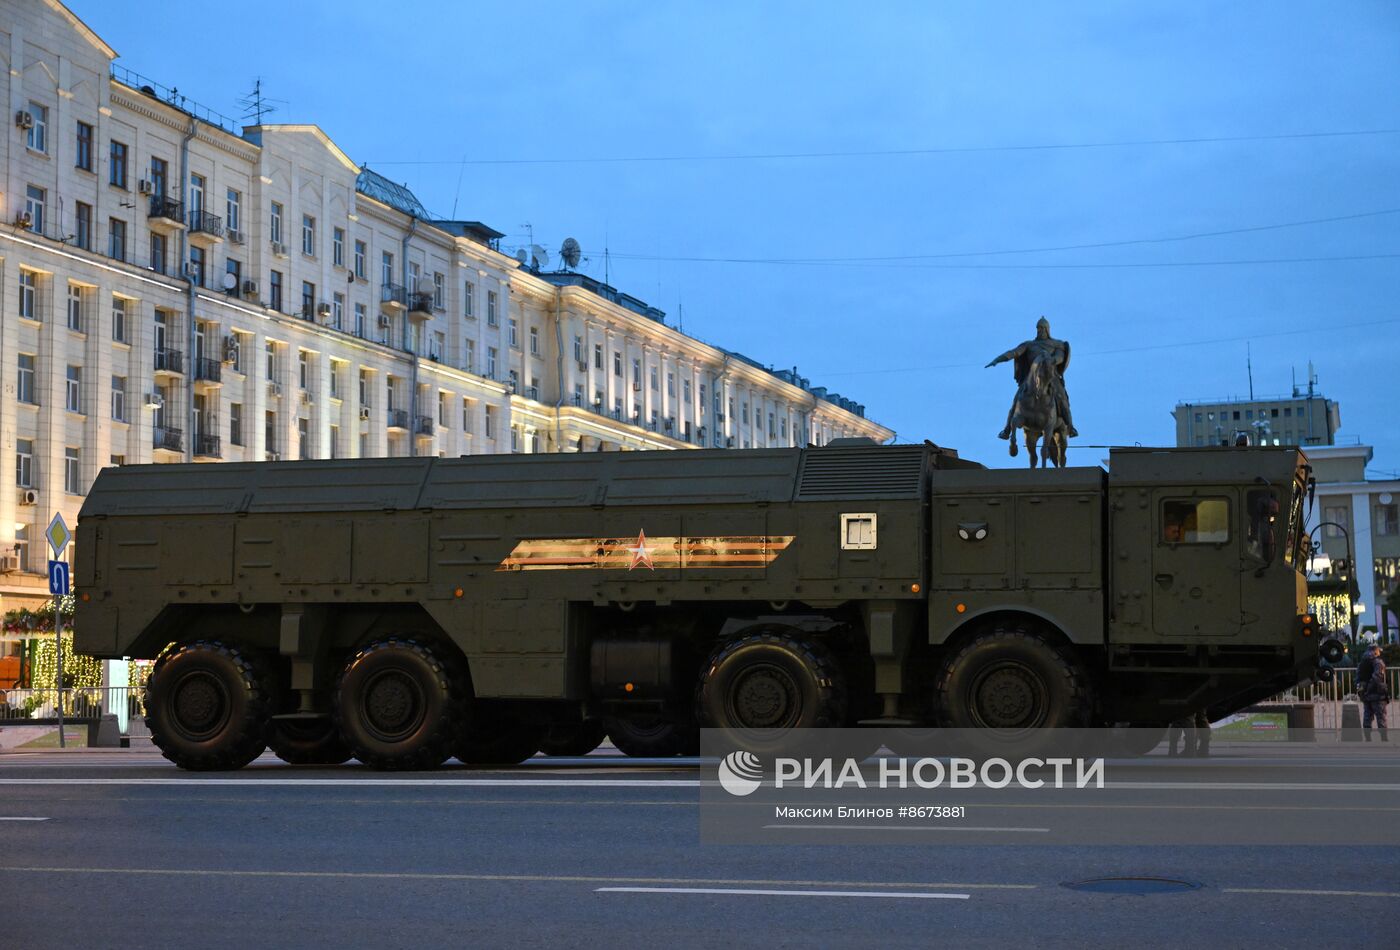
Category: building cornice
[133,101]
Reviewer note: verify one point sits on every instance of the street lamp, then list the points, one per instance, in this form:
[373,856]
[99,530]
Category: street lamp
[1353,594]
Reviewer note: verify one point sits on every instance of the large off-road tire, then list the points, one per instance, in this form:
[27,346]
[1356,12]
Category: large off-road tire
[652,737]
[307,741]
[766,689]
[1011,678]
[497,739]
[574,738]
[207,706]
[401,704]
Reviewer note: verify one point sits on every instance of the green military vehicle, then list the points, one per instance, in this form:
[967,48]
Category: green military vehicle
[406,610]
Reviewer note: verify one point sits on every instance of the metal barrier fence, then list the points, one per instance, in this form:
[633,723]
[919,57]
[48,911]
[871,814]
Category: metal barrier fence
[1342,687]
[17,705]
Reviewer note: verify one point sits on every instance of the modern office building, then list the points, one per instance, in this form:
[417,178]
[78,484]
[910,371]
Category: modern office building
[1303,418]
[177,287]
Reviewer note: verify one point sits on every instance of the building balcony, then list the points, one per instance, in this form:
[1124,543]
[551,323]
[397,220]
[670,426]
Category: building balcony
[166,215]
[169,362]
[393,298]
[168,440]
[423,426]
[206,230]
[207,446]
[398,419]
[208,373]
[420,307]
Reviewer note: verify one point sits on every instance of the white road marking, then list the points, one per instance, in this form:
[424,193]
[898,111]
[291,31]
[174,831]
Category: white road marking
[755,892]
[22,818]
[509,878]
[900,828]
[1307,893]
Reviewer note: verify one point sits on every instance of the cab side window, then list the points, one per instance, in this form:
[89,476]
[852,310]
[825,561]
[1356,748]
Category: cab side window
[1261,514]
[1195,520]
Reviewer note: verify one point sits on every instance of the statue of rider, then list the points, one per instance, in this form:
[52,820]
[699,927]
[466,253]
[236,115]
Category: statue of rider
[1045,349]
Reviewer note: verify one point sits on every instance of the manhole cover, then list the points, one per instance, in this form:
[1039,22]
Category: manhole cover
[1132,885]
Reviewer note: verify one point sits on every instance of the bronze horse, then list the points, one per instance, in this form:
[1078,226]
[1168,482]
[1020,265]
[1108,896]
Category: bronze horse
[1037,414]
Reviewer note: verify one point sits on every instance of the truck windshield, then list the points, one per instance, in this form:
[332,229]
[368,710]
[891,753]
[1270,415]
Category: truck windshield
[1292,550]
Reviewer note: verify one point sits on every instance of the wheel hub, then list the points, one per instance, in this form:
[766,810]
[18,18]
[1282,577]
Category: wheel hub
[199,705]
[764,698]
[1009,696]
[392,704]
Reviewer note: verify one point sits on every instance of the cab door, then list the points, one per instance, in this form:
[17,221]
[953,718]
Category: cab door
[1195,564]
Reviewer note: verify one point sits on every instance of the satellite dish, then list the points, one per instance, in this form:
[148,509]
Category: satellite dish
[522,256]
[571,253]
[539,257]
[230,281]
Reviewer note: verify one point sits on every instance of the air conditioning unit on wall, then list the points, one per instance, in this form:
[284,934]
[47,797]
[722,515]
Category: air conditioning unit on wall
[25,120]
[28,496]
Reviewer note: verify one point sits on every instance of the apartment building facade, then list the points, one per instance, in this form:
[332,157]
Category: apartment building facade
[176,287]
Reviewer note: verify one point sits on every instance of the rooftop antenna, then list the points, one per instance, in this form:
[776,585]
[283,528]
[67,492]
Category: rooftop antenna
[256,105]
[461,170]
[529,230]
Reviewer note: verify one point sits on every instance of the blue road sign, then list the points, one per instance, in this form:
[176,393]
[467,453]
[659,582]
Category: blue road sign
[58,578]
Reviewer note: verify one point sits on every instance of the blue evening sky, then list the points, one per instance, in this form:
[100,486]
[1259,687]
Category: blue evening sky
[435,83]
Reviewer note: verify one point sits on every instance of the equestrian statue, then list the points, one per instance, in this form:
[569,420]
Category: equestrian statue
[1041,406]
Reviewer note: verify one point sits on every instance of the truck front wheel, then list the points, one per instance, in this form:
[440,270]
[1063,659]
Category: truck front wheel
[207,706]
[1011,678]
[400,705]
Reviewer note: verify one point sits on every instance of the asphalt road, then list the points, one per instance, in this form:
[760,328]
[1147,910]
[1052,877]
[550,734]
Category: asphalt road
[120,849]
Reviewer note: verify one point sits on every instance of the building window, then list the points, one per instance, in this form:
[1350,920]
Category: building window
[597,356]
[197,261]
[303,438]
[466,414]
[116,164]
[469,300]
[491,318]
[158,246]
[308,235]
[83,156]
[308,300]
[364,387]
[25,389]
[274,290]
[617,363]
[513,334]
[24,463]
[119,398]
[35,200]
[303,368]
[439,291]
[338,247]
[233,209]
[235,423]
[37,137]
[535,341]
[636,374]
[1388,519]
[335,442]
[1336,520]
[490,422]
[72,471]
[442,409]
[360,251]
[75,308]
[274,223]
[28,295]
[334,371]
[74,389]
[196,198]
[337,310]
[119,319]
[514,381]
[655,380]
[116,239]
[270,350]
[360,314]
[82,225]
[515,438]
[578,348]
[469,355]
[160,169]
[685,390]
[670,384]
[270,432]
[490,362]
[386,268]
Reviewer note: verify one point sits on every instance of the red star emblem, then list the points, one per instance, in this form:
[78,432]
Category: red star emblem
[641,554]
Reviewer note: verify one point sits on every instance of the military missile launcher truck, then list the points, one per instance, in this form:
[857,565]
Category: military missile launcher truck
[406,610]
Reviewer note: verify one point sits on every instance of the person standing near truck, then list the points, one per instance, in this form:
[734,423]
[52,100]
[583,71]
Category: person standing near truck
[1373,690]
